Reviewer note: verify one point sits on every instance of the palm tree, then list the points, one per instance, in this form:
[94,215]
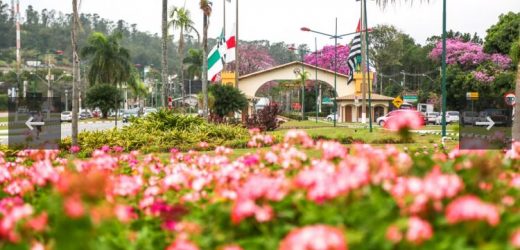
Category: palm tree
[181,19]
[110,62]
[193,63]
[205,6]
[75,72]
[136,86]
[164,62]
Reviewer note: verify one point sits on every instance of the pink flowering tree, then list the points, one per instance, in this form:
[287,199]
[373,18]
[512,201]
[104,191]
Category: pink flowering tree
[471,57]
[325,58]
[253,58]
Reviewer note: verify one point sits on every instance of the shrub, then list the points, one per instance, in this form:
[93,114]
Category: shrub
[162,131]
[228,100]
[266,119]
[103,96]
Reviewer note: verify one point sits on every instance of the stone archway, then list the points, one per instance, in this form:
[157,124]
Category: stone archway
[249,84]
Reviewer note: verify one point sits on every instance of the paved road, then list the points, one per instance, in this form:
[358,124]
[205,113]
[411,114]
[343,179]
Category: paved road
[66,129]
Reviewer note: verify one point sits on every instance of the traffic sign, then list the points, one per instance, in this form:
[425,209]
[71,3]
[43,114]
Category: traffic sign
[397,102]
[410,98]
[327,100]
[472,96]
[510,99]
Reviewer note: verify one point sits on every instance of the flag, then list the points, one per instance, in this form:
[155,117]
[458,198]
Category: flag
[216,59]
[354,57]
[231,45]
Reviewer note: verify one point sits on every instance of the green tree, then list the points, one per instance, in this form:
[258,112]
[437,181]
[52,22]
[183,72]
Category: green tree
[228,100]
[181,20]
[103,96]
[136,86]
[109,61]
[502,35]
[194,63]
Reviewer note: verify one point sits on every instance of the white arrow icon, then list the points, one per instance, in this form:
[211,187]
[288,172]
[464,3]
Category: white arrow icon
[490,123]
[30,122]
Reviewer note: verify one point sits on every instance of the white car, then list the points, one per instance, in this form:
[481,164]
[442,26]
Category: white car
[66,116]
[451,117]
[147,111]
[431,117]
[333,117]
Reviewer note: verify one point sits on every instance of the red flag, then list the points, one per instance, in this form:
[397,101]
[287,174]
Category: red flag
[358,29]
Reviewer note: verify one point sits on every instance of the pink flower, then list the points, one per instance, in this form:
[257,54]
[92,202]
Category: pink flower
[117,149]
[317,237]
[404,119]
[37,246]
[393,234]
[75,149]
[125,213]
[471,208]
[515,239]
[73,207]
[232,247]
[418,231]
[38,223]
[203,145]
[181,244]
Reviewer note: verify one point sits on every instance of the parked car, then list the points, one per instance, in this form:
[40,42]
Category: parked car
[85,115]
[451,117]
[431,117]
[383,119]
[66,116]
[129,114]
[469,117]
[147,111]
[499,116]
[333,117]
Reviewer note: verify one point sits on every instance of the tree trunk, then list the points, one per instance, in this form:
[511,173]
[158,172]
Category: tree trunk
[205,67]
[180,89]
[516,122]
[164,63]
[75,73]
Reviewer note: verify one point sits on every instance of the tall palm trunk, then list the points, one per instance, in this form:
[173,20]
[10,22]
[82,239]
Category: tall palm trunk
[164,63]
[75,73]
[516,122]
[205,66]
[181,54]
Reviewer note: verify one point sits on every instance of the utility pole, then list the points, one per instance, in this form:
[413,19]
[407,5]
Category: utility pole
[18,43]
[224,30]
[237,50]
[363,66]
[367,67]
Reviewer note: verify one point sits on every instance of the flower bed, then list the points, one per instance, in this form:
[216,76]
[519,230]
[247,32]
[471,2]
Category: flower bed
[356,197]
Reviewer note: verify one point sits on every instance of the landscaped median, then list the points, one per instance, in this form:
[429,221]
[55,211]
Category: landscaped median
[281,197]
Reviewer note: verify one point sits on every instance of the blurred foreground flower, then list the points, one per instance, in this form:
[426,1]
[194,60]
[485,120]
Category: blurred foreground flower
[318,237]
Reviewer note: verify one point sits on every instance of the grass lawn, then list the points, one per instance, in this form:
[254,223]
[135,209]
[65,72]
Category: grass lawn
[420,141]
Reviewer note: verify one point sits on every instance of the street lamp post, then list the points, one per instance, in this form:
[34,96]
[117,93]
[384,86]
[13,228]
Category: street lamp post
[443,68]
[335,37]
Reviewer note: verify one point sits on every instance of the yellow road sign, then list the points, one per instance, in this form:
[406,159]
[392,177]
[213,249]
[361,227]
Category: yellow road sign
[397,102]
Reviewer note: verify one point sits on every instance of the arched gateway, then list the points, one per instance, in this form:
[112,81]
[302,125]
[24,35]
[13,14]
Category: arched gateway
[249,84]
[348,95]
